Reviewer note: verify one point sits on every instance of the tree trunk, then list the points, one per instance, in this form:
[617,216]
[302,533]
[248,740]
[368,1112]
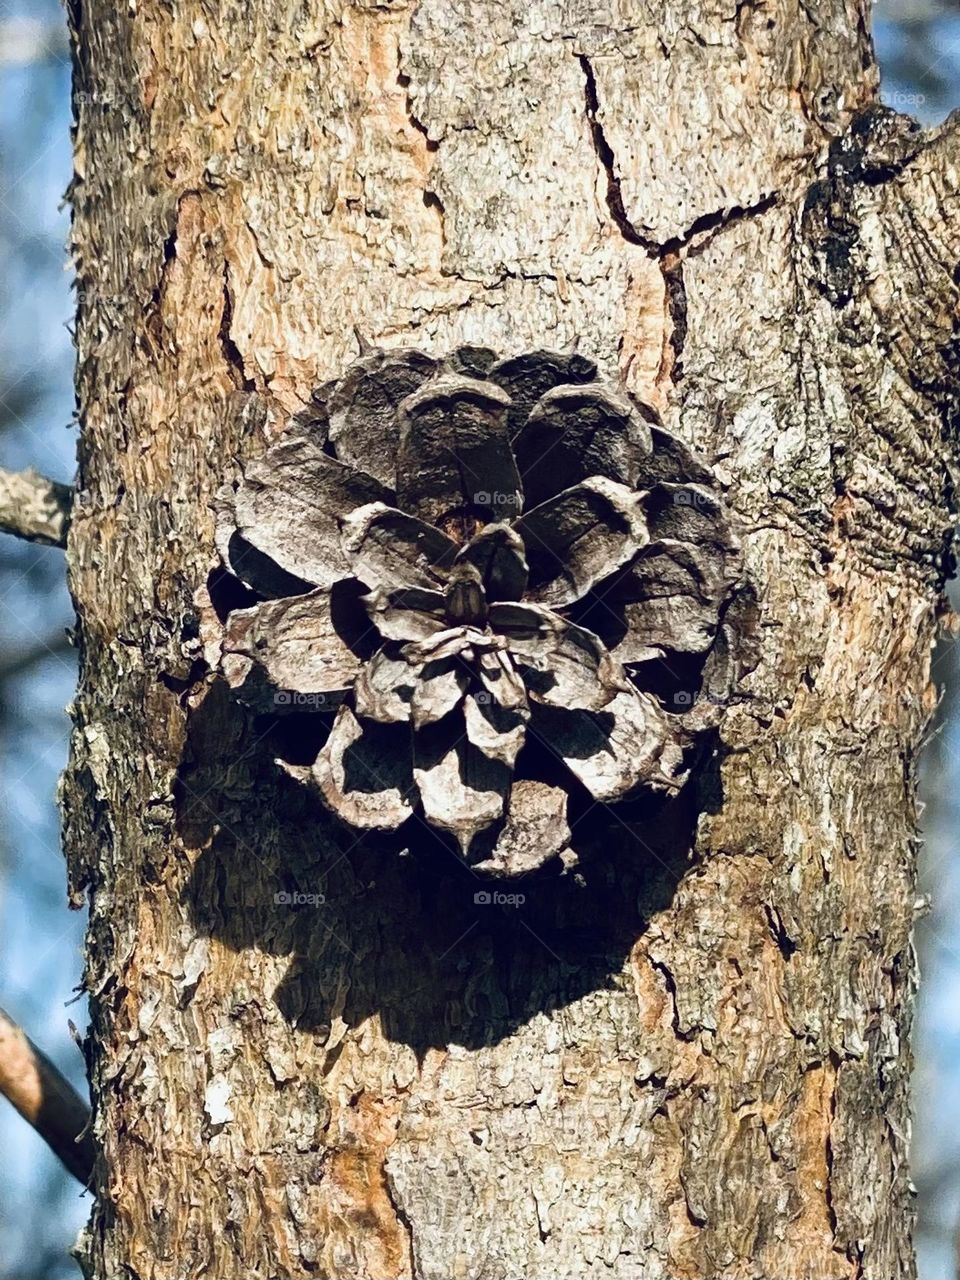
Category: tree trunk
[693,1061]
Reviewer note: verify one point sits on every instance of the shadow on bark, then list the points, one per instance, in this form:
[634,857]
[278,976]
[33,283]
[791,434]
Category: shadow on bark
[397,925]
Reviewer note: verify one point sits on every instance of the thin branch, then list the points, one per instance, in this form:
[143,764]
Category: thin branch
[45,1100]
[33,507]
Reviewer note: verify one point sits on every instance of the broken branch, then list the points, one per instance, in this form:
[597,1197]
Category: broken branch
[47,1101]
[34,508]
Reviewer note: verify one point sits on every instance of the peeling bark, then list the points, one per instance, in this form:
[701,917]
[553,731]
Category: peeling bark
[689,1058]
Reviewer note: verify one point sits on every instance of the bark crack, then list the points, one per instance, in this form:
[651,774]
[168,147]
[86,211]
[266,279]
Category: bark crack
[707,222]
[718,220]
[675,296]
[668,253]
[403,82]
[231,352]
[402,1217]
[431,197]
[608,161]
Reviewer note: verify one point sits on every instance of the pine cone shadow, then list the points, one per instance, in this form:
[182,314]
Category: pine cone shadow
[397,925]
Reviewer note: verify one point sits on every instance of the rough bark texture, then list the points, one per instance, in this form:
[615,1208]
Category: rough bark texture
[693,1062]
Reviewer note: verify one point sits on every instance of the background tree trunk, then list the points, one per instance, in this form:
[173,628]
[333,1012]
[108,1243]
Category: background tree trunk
[693,1062]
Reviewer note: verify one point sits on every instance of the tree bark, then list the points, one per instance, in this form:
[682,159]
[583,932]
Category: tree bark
[693,1061]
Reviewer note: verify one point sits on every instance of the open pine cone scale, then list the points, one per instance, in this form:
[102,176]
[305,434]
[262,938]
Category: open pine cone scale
[463,557]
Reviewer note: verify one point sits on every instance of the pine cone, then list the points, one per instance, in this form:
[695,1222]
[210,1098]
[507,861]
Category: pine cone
[453,558]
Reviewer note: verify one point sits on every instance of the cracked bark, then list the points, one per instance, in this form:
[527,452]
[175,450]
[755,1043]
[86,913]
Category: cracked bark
[696,1063]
